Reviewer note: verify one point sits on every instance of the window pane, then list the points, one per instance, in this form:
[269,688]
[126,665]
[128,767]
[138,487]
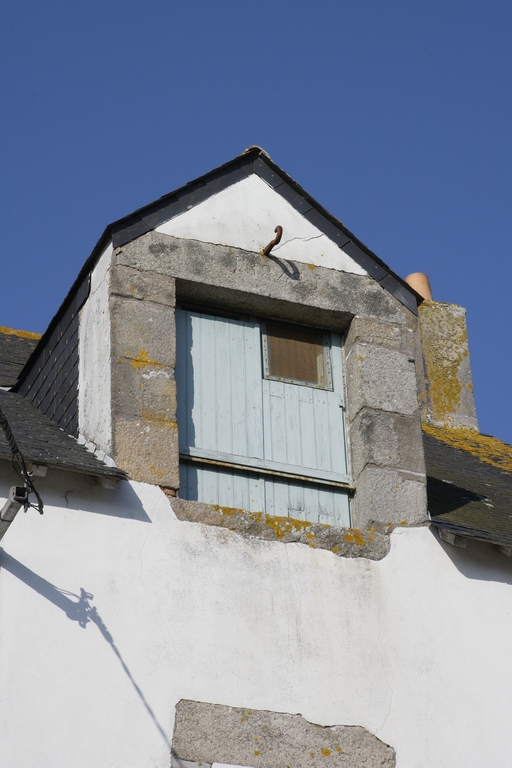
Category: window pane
[297,354]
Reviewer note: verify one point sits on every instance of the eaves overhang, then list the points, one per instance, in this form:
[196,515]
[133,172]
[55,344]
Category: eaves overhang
[43,443]
[469,484]
[253,161]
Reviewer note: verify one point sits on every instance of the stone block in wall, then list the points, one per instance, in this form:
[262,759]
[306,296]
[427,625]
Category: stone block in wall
[389,497]
[147,448]
[380,378]
[139,284]
[368,330]
[143,389]
[143,332]
[386,439]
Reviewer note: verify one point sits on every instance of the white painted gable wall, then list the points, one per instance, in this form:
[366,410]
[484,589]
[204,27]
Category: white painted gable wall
[245,216]
[94,377]
[416,648]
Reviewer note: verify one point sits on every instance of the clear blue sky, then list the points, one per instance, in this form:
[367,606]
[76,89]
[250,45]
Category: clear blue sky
[395,115]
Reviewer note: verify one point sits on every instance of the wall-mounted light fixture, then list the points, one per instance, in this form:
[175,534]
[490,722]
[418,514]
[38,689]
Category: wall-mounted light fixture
[18,497]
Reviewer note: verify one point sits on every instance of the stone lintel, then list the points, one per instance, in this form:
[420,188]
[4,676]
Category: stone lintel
[261,284]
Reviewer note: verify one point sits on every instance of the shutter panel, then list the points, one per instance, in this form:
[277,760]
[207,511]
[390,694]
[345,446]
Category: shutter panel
[237,428]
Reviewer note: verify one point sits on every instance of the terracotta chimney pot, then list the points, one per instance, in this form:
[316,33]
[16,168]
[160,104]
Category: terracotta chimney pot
[421,284]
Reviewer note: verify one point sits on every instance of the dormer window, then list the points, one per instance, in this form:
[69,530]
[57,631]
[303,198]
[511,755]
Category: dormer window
[260,416]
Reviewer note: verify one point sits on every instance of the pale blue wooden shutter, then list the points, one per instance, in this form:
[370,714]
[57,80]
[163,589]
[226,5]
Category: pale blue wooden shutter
[251,443]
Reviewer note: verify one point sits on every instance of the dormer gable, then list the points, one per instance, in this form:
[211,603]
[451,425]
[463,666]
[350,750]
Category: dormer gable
[196,259]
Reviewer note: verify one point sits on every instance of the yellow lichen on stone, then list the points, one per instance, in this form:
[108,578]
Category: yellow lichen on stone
[282,525]
[326,752]
[231,511]
[152,417]
[356,537]
[485,448]
[20,334]
[445,345]
[142,360]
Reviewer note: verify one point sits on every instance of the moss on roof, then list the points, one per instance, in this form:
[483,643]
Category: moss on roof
[15,349]
[485,448]
[21,334]
[469,483]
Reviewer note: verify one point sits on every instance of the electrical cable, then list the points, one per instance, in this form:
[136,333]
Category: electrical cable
[18,464]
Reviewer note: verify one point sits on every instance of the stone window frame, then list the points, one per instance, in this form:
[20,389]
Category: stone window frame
[381,346]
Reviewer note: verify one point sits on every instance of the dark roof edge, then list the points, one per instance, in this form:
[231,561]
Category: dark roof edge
[83,276]
[253,160]
[471,533]
[98,249]
[101,471]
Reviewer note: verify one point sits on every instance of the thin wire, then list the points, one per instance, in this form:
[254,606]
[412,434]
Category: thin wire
[18,464]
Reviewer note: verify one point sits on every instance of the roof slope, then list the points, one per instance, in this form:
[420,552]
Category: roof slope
[15,349]
[469,483]
[43,442]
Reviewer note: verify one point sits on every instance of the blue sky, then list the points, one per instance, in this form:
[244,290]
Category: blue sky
[396,116]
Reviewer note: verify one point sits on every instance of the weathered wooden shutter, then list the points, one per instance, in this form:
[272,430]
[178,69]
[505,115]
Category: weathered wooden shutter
[251,442]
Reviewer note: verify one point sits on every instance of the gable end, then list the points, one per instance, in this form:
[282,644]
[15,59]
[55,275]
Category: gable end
[257,162]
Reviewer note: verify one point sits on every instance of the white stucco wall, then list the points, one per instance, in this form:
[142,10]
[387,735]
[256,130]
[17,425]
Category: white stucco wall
[94,378]
[245,216]
[416,648]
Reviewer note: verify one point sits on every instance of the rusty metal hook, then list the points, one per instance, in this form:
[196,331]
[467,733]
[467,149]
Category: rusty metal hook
[277,239]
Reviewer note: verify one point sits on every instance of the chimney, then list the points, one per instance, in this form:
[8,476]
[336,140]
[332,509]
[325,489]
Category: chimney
[447,399]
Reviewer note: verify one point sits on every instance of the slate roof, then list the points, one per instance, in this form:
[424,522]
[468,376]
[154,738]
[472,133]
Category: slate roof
[469,484]
[15,349]
[41,441]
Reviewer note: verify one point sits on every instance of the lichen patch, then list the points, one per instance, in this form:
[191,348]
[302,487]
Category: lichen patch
[485,448]
[445,346]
